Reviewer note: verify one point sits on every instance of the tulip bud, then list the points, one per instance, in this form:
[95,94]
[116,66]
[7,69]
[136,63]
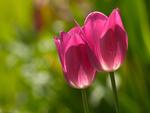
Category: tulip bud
[72,52]
[107,40]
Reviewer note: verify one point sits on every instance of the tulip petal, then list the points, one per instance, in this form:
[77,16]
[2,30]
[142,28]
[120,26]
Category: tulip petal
[58,43]
[122,39]
[93,26]
[74,58]
[108,48]
[75,38]
[113,43]
[80,73]
[86,68]
[122,46]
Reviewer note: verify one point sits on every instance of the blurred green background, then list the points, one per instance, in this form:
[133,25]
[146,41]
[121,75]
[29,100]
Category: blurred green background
[31,80]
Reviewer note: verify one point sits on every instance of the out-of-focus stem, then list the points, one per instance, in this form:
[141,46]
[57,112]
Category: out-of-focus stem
[84,100]
[113,83]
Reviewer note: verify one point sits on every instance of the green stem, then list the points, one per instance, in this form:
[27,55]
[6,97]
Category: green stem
[84,100]
[112,77]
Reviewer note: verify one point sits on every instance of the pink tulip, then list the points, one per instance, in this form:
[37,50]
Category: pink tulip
[72,52]
[107,40]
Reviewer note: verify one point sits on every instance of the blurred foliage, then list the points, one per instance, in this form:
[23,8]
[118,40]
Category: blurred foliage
[31,80]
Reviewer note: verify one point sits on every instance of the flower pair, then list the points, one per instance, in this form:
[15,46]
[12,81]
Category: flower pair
[99,45]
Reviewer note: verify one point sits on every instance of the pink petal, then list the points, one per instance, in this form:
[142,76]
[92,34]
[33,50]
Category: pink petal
[73,54]
[59,46]
[108,48]
[113,43]
[93,27]
[75,38]
[122,46]
[80,73]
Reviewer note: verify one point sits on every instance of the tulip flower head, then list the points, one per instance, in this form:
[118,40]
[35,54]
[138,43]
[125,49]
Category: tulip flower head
[107,40]
[72,51]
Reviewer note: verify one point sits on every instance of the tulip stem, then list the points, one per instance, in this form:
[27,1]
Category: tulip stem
[84,100]
[112,77]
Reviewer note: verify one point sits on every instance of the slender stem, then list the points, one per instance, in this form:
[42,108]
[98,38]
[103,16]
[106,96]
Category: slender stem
[84,100]
[112,77]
